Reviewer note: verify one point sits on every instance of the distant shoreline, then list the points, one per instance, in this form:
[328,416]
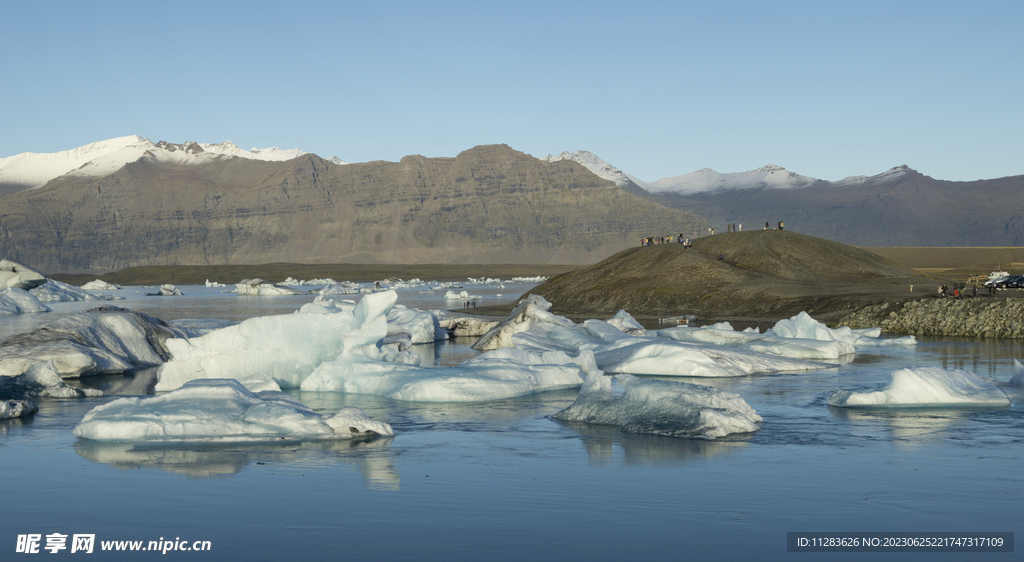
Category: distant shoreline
[278,272]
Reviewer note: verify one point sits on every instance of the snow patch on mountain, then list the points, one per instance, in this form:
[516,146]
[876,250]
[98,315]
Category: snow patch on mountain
[591,162]
[106,157]
[272,154]
[886,176]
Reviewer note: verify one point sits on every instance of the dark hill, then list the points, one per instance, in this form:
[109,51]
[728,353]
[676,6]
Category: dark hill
[764,274]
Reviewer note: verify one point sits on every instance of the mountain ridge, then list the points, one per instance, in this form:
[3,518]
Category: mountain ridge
[489,204]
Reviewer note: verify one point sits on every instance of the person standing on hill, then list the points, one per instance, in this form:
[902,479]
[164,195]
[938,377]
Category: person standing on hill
[766,225]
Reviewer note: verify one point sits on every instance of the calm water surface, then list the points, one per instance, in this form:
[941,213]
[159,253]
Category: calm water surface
[503,481]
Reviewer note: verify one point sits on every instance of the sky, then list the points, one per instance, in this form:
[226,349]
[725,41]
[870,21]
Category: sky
[657,89]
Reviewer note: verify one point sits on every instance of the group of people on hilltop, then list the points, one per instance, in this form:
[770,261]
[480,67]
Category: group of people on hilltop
[652,240]
[731,227]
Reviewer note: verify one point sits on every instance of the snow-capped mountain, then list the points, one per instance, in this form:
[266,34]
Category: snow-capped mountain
[770,176]
[106,157]
[591,162]
[889,175]
[272,154]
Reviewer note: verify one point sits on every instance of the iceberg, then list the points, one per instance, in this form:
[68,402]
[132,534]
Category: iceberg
[284,348]
[460,325]
[623,321]
[221,410]
[20,301]
[10,409]
[618,352]
[672,408]
[260,288]
[167,290]
[534,308]
[495,375]
[102,340]
[460,296]
[100,285]
[935,387]
[18,276]
[421,325]
[214,284]
[723,334]
[40,380]
[55,291]
[803,326]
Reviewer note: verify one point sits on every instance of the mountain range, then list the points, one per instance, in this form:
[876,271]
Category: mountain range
[129,202]
[898,207]
[182,204]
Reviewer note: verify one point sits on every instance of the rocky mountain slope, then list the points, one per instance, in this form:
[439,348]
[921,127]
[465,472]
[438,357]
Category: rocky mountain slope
[490,204]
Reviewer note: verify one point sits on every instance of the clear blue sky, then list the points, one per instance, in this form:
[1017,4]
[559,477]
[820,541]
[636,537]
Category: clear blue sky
[825,89]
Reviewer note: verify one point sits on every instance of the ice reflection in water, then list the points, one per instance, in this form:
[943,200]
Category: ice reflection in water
[602,443]
[372,457]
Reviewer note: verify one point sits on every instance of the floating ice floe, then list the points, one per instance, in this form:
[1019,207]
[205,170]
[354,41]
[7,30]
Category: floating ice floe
[102,340]
[659,407]
[100,285]
[166,290]
[722,334]
[16,275]
[495,375]
[214,284]
[460,296]
[277,350]
[20,301]
[532,327]
[221,410]
[40,380]
[260,288]
[10,409]
[334,289]
[803,326]
[936,387]
[55,291]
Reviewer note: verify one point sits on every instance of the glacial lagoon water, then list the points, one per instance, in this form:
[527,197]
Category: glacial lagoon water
[504,481]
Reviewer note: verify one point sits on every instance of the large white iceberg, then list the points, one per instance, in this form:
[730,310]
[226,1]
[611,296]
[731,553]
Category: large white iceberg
[284,348]
[221,410]
[55,291]
[20,301]
[935,387]
[659,407]
[102,340]
[14,274]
